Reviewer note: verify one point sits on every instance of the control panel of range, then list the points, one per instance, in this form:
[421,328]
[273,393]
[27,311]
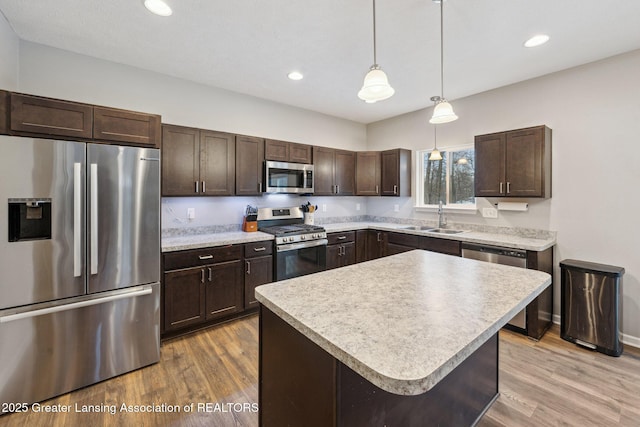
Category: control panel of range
[301,237]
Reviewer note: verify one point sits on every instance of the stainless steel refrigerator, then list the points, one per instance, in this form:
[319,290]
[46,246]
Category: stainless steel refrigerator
[79,264]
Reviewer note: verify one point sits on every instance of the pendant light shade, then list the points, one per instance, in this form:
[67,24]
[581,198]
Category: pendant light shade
[443,111]
[376,85]
[435,153]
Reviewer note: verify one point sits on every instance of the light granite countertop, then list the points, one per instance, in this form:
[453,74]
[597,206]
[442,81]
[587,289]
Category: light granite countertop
[495,239]
[404,322]
[196,241]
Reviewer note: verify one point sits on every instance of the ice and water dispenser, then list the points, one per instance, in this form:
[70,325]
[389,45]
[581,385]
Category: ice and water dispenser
[29,219]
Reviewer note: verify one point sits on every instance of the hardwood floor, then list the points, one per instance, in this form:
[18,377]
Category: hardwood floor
[545,383]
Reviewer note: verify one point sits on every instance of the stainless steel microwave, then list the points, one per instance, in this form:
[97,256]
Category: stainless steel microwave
[282,177]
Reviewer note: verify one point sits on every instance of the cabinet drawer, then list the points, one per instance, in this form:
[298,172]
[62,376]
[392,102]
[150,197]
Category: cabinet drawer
[196,257]
[46,116]
[126,126]
[252,250]
[402,239]
[443,246]
[335,238]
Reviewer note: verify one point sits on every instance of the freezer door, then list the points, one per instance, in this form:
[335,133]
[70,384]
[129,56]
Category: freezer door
[123,216]
[42,242]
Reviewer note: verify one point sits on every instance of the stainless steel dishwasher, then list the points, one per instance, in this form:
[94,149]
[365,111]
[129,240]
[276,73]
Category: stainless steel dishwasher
[498,255]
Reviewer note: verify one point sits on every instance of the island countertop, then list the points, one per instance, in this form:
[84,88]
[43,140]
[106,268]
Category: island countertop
[404,322]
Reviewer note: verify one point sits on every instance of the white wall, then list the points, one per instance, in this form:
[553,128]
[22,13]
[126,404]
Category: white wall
[594,112]
[8,56]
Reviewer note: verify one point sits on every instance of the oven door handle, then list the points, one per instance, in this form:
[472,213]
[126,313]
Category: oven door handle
[301,245]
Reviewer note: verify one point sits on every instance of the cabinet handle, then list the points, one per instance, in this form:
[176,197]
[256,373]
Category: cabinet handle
[376,189]
[500,187]
[260,249]
[203,257]
[337,189]
[197,187]
[395,189]
[204,189]
[259,187]
[202,278]
[379,237]
[210,274]
[508,187]
[341,251]
[248,267]
[342,237]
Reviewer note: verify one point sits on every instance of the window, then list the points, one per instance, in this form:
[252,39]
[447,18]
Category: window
[450,180]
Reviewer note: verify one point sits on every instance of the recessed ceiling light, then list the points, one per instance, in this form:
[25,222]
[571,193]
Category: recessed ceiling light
[158,7]
[295,75]
[536,40]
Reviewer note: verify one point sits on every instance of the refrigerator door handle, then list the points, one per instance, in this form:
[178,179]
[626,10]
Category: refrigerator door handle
[77,219]
[75,305]
[94,218]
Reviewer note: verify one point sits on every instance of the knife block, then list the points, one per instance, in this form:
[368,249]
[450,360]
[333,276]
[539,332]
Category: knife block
[249,226]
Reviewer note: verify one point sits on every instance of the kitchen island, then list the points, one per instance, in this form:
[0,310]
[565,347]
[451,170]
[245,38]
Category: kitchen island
[409,339]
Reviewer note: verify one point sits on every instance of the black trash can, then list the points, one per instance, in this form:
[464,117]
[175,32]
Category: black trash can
[591,306]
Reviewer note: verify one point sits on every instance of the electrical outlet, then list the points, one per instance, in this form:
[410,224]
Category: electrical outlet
[191,213]
[396,208]
[357,206]
[324,207]
[490,212]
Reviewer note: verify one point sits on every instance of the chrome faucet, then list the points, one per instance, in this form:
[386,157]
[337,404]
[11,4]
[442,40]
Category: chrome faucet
[442,220]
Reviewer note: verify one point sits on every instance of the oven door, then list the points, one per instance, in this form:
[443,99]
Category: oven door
[299,259]
[288,177]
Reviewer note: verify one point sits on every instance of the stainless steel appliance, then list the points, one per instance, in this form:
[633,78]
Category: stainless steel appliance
[79,264]
[282,177]
[498,255]
[300,248]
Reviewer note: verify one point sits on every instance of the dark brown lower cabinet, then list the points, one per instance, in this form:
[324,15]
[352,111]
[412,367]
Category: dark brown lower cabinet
[224,291]
[376,244]
[341,250]
[184,298]
[443,246]
[258,270]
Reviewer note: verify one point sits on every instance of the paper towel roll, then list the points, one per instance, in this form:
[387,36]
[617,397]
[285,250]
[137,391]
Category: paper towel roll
[513,206]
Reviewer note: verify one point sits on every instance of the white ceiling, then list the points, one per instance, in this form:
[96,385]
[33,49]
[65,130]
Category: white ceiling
[249,46]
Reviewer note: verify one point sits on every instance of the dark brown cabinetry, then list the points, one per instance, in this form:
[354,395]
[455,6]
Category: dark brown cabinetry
[283,151]
[399,242]
[396,172]
[443,246]
[514,164]
[341,249]
[258,269]
[197,162]
[334,172]
[36,115]
[4,111]
[141,129]
[376,244]
[201,285]
[368,173]
[249,165]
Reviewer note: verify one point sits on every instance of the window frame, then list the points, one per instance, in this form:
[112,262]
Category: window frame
[470,208]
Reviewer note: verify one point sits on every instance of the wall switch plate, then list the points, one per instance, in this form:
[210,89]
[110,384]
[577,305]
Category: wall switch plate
[396,208]
[191,213]
[357,206]
[324,207]
[490,212]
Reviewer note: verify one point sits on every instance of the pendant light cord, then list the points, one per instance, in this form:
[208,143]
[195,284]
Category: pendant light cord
[375,61]
[441,49]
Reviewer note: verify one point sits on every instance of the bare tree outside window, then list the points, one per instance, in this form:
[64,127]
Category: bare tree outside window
[450,180]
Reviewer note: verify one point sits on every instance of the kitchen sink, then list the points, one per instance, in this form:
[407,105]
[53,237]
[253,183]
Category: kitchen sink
[441,230]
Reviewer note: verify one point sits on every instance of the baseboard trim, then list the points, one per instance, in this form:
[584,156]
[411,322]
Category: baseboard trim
[625,338]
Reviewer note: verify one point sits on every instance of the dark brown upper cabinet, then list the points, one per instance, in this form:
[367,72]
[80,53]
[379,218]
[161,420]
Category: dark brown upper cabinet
[141,129]
[283,151]
[368,173]
[334,172]
[396,172]
[515,163]
[197,162]
[4,111]
[45,116]
[249,165]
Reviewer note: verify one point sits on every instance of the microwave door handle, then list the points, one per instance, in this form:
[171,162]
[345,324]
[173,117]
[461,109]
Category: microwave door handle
[94,218]
[77,219]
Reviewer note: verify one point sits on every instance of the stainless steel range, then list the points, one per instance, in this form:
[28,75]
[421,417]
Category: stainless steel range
[300,248]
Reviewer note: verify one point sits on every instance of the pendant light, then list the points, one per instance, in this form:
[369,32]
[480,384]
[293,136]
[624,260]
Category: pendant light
[442,111]
[376,85]
[435,153]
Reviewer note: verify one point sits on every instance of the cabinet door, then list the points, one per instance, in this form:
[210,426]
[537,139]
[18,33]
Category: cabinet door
[180,161]
[129,127]
[443,246]
[224,291]
[184,297]
[249,164]
[323,169]
[390,161]
[46,116]
[376,244]
[368,172]
[490,165]
[361,245]
[217,163]
[393,248]
[277,151]
[4,111]
[348,253]
[524,153]
[258,271]
[334,255]
[299,153]
[345,173]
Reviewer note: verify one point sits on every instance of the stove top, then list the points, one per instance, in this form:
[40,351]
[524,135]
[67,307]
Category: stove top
[291,229]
